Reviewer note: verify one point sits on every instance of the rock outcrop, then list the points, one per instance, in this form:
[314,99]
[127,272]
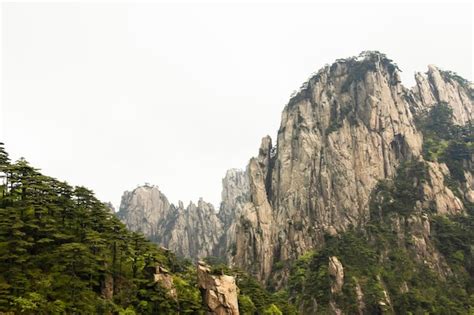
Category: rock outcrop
[436,192]
[235,194]
[165,279]
[350,126]
[438,86]
[219,292]
[144,209]
[193,231]
[336,271]
[107,287]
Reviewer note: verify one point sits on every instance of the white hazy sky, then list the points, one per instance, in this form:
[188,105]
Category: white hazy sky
[113,95]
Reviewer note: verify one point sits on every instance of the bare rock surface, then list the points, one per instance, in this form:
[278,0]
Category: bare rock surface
[193,231]
[336,271]
[219,291]
[349,127]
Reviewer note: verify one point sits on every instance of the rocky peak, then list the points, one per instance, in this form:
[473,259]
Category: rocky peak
[235,193]
[192,232]
[437,86]
[349,127]
[143,209]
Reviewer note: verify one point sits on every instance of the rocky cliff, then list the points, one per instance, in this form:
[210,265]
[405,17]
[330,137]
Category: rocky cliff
[193,231]
[144,209]
[437,86]
[219,292]
[349,129]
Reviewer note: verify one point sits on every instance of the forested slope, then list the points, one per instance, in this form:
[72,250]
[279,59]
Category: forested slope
[63,252]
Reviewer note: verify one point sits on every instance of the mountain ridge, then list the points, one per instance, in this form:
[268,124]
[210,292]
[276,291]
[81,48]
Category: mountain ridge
[353,140]
[344,75]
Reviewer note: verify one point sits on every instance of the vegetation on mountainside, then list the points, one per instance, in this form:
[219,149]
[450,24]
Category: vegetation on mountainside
[360,65]
[381,257]
[254,298]
[63,252]
[364,63]
[451,75]
[445,142]
[60,248]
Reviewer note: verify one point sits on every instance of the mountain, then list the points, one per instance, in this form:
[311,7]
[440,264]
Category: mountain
[62,251]
[365,203]
[349,127]
[193,231]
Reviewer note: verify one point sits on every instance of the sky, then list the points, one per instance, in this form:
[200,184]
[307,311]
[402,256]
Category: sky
[114,95]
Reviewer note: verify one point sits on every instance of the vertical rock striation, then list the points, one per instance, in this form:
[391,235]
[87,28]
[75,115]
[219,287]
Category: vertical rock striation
[193,231]
[437,86]
[350,126]
[219,292]
[144,209]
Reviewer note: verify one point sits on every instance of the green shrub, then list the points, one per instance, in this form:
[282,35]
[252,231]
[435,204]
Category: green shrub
[246,306]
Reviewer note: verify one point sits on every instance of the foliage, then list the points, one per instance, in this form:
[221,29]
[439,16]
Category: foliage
[400,194]
[364,265]
[338,116]
[446,142]
[61,249]
[454,237]
[272,310]
[450,75]
[379,258]
[246,305]
[364,63]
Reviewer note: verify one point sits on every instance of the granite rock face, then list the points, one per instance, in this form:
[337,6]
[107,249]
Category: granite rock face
[219,292]
[437,86]
[144,209]
[336,271]
[193,231]
[235,193]
[349,127]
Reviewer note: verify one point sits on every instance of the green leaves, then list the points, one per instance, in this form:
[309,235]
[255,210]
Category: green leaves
[60,249]
[246,305]
[400,194]
[445,142]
